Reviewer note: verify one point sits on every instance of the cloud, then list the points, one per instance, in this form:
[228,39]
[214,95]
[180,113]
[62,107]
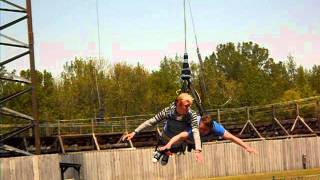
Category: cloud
[151,58]
[303,46]
[53,55]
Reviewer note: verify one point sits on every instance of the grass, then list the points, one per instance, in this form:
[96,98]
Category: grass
[269,176]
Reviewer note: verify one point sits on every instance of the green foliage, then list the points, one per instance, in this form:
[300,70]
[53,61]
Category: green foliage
[314,78]
[243,72]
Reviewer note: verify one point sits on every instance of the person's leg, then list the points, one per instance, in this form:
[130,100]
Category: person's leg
[175,139]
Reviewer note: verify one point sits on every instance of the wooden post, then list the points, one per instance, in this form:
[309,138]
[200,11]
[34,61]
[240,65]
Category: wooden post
[125,124]
[297,109]
[318,113]
[297,118]
[219,118]
[277,121]
[301,119]
[251,124]
[273,111]
[92,126]
[59,128]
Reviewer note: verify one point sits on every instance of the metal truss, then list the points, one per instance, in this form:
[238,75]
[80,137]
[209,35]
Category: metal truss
[27,49]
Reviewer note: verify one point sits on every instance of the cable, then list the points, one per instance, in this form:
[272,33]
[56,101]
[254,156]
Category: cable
[99,48]
[185,26]
[193,26]
[98,25]
[201,75]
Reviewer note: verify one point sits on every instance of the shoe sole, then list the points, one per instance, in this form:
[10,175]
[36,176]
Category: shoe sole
[154,160]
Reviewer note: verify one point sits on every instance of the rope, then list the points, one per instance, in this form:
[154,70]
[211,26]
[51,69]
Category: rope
[193,26]
[202,80]
[98,25]
[185,26]
[99,53]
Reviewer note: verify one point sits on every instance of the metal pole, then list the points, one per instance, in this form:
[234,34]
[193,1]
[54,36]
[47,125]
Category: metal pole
[33,79]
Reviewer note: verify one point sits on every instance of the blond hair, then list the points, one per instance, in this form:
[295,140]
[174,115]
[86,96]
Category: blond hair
[185,96]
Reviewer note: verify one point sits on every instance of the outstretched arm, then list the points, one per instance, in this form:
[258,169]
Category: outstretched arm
[148,123]
[175,139]
[238,141]
[196,137]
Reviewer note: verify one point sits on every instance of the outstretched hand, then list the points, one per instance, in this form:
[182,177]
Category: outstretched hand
[128,136]
[251,150]
[199,157]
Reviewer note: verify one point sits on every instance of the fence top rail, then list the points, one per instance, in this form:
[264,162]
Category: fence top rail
[268,105]
[139,118]
[114,117]
[223,110]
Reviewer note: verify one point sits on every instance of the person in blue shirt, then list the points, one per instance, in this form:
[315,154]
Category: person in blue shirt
[209,129]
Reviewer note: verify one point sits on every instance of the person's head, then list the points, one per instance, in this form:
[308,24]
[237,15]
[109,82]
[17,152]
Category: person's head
[205,125]
[183,103]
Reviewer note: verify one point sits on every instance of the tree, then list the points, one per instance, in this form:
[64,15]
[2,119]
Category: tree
[314,78]
[77,88]
[165,82]
[291,69]
[302,84]
[249,66]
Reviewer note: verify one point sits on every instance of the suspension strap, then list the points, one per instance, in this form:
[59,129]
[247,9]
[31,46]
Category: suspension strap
[186,72]
[201,75]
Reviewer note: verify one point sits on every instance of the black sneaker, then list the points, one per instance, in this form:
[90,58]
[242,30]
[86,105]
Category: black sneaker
[164,160]
[156,156]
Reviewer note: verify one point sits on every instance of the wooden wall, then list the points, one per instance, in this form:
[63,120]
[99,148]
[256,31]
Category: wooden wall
[44,167]
[221,159]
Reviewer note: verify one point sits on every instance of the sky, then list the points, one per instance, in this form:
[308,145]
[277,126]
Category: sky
[145,31]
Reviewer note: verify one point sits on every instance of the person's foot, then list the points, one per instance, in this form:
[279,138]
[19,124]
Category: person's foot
[164,159]
[156,156]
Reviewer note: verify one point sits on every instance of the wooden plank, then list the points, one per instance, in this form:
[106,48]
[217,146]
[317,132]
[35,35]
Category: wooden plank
[49,167]
[4,168]
[25,170]
[220,159]
[36,171]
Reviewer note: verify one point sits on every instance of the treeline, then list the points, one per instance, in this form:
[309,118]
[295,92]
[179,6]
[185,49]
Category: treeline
[244,72]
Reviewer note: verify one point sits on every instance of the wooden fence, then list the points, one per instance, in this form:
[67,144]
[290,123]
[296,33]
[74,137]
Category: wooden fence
[44,167]
[221,159]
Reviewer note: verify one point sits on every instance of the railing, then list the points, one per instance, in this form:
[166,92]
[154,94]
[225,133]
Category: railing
[94,125]
[295,111]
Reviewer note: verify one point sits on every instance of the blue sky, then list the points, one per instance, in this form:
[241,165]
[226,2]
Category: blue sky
[146,31]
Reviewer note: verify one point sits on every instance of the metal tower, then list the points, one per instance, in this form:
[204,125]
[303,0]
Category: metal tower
[30,85]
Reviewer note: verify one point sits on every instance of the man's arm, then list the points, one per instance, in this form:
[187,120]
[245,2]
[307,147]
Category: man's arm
[148,123]
[195,131]
[196,136]
[238,141]
[175,139]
